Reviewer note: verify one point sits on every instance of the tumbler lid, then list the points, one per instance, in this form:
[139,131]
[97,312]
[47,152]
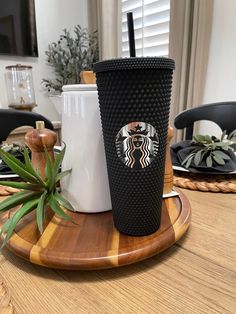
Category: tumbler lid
[134,63]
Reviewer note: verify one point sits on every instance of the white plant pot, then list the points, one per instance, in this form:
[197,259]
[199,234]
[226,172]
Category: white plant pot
[87,186]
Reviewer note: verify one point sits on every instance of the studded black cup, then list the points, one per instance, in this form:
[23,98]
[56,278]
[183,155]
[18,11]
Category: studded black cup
[134,96]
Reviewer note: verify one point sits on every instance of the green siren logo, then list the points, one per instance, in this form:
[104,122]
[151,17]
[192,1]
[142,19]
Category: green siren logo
[137,144]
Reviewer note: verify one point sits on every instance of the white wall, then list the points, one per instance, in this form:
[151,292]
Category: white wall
[221,71]
[51,17]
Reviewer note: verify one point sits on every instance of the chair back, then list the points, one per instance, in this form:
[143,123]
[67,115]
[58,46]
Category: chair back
[12,119]
[222,113]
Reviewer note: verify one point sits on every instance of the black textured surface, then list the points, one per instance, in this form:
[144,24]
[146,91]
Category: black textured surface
[134,63]
[127,96]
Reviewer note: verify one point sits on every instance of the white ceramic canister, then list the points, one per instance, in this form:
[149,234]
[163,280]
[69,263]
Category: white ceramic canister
[87,186]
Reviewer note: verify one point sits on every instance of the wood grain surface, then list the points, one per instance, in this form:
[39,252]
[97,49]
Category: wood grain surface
[196,275]
[92,241]
[5,299]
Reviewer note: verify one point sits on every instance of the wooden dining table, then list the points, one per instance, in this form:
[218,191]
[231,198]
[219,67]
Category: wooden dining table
[196,275]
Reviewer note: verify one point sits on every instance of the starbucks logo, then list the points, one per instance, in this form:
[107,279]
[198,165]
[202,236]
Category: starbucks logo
[137,144]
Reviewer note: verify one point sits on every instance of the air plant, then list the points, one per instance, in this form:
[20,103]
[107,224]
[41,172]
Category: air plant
[35,192]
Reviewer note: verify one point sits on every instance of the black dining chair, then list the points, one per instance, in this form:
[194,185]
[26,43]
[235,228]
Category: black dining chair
[222,113]
[12,119]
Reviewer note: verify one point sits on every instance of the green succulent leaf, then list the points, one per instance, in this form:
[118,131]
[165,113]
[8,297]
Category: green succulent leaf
[25,209]
[17,199]
[221,154]
[17,166]
[63,174]
[208,139]
[36,193]
[222,144]
[199,138]
[187,161]
[30,168]
[56,166]
[62,201]
[219,160]
[232,135]
[213,146]
[48,170]
[5,155]
[40,211]
[5,226]
[209,161]
[198,157]
[22,185]
[57,209]
[223,135]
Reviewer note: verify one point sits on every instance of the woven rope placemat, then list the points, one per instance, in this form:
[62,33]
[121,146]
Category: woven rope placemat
[6,306]
[225,183]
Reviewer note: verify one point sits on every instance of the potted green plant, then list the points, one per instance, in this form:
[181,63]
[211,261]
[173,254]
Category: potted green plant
[69,57]
[35,193]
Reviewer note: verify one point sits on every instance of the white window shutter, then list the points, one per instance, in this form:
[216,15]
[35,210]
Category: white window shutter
[151,26]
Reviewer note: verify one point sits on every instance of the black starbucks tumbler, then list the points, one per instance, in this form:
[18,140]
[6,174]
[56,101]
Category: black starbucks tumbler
[134,97]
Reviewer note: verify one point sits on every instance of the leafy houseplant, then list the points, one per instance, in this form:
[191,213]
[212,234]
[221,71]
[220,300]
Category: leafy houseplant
[211,150]
[36,193]
[69,56]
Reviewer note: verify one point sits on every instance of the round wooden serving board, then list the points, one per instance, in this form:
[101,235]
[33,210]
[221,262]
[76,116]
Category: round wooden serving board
[93,242]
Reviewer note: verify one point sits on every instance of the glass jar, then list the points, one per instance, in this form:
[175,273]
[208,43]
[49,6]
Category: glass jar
[20,87]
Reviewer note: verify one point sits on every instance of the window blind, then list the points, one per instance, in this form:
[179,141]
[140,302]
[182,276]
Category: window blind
[151,26]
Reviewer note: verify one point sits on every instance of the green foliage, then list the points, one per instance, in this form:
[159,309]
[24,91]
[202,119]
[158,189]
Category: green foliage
[15,148]
[211,149]
[232,136]
[69,56]
[36,193]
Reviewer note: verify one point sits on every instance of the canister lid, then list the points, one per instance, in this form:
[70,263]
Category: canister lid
[18,67]
[134,63]
[79,87]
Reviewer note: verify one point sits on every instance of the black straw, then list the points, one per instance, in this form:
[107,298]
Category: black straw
[130,24]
